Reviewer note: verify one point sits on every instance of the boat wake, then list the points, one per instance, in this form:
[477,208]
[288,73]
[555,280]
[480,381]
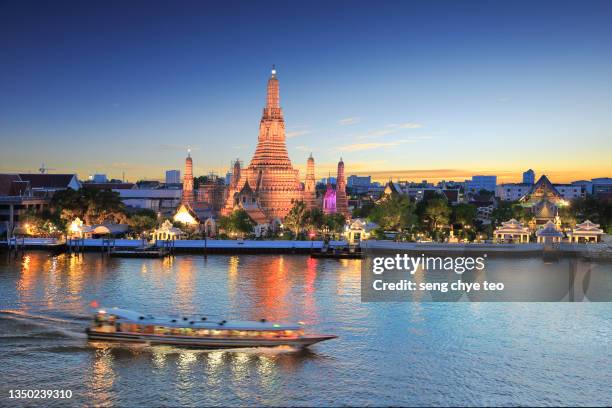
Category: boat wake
[52,327]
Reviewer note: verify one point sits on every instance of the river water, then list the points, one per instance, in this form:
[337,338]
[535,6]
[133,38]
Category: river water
[386,354]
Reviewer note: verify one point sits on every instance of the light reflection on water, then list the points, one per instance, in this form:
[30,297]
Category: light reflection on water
[387,353]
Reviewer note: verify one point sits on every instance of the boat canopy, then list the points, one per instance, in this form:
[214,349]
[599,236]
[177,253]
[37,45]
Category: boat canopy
[194,322]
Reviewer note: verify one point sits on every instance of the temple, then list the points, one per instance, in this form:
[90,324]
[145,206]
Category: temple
[188,197]
[269,186]
[329,199]
[544,201]
[341,198]
[310,185]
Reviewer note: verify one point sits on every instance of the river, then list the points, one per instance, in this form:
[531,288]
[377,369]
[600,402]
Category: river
[387,353]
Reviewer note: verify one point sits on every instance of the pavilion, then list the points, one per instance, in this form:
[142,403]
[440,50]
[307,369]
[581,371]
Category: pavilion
[549,233]
[512,231]
[167,231]
[585,232]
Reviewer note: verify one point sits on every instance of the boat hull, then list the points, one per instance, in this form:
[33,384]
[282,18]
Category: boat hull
[205,342]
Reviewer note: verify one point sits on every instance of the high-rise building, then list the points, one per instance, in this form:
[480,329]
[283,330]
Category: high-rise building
[529,177]
[478,183]
[173,176]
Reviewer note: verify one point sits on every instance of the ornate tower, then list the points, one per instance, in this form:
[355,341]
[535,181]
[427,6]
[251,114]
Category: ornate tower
[188,197]
[310,185]
[329,199]
[274,181]
[341,198]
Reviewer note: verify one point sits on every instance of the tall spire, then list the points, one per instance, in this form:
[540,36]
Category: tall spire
[273,102]
[310,184]
[271,147]
[341,197]
[188,195]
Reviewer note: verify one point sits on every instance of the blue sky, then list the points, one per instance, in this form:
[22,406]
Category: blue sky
[406,89]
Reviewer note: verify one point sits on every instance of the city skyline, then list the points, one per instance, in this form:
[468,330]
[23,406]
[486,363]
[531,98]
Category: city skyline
[431,91]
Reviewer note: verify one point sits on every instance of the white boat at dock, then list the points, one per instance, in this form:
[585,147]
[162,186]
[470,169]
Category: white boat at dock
[121,325]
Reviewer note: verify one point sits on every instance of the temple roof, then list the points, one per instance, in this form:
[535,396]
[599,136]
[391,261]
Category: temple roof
[542,189]
[549,230]
[512,227]
[587,228]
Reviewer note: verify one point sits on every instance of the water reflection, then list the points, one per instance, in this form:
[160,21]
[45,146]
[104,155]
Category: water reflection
[425,353]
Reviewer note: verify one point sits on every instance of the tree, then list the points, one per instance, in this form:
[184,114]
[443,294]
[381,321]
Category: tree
[295,220]
[92,205]
[365,209]
[394,213]
[594,209]
[103,206]
[237,222]
[314,219]
[464,214]
[436,212]
[143,220]
[334,223]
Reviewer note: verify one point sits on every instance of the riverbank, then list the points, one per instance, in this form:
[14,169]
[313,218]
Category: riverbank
[599,251]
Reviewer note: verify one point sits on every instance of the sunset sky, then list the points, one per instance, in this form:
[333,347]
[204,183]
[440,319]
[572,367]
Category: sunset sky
[410,90]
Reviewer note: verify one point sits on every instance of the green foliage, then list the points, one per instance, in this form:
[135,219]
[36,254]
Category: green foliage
[237,222]
[436,213]
[143,220]
[93,206]
[365,210]
[508,210]
[333,223]
[463,214]
[394,213]
[597,210]
[295,220]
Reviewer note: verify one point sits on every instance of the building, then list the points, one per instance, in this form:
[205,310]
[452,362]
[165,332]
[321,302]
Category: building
[268,188]
[585,232]
[49,183]
[310,185]
[478,183]
[512,191]
[359,184]
[516,191]
[329,199]
[550,233]
[173,176]
[188,194]
[160,200]
[21,193]
[602,187]
[212,192]
[529,177]
[99,178]
[585,185]
[544,200]
[341,198]
[512,231]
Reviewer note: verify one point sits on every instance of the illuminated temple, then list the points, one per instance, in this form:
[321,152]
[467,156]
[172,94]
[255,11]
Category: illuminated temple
[268,188]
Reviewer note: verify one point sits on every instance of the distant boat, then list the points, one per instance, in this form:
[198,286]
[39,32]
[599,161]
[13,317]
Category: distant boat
[121,325]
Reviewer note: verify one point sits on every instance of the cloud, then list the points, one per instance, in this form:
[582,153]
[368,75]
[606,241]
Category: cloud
[303,148]
[296,133]
[376,145]
[177,147]
[349,121]
[390,129]
[368,146]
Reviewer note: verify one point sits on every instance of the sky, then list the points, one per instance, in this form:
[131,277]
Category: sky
[411,90]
